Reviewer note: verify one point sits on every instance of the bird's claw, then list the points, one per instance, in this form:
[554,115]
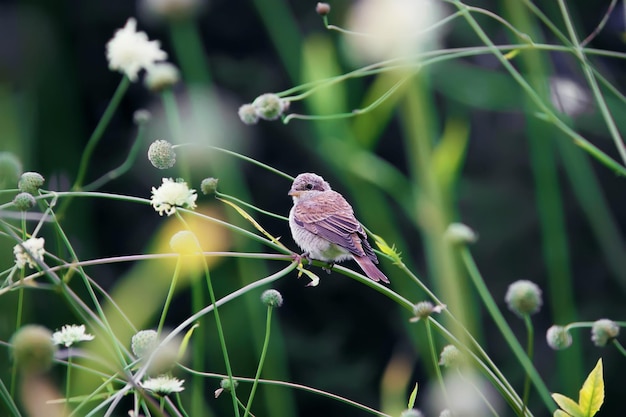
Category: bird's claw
[328,268]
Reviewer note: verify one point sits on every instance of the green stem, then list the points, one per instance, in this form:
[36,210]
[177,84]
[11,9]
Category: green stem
[68,379]
[504,328]
[123,168]
[434,356]
[170,295]
[266,343]
[529,353]
[220,333]
[619,347]
[99,130]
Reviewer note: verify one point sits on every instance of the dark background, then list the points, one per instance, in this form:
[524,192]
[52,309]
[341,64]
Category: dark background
[55,85]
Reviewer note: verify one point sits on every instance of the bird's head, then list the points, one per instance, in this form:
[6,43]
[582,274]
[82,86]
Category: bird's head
[308,184]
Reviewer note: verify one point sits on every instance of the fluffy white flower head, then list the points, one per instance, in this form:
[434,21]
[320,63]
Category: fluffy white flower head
[70,334]
[172,194]
[34,245]
[130,51]
[392,28]
[163,385]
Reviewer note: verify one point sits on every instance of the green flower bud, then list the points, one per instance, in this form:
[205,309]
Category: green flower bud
[208,186]
[451,357]
[32,348]
[523,298]
[144,342]
[269,106]
[248,115]
[24,201]
[558,337]
[161,154]
[30,182]
[225,384]
[603,331]
[272,298]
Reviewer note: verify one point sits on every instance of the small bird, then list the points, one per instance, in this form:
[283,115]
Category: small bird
[322,223]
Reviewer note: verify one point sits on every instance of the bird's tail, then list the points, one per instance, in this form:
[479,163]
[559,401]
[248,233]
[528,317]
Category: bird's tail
[370,269]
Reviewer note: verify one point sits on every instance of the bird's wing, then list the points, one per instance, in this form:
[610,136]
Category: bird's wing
[331,217]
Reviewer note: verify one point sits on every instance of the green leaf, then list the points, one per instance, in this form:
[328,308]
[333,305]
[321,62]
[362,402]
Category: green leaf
[185,342]
[412,397]
[592,393]
[568,405]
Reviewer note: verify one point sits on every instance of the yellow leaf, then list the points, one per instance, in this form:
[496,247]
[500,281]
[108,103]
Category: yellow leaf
[412,397]
[560,413]
[512,54]
[185,342]
[249,218]
[568,405]
[386,249]
[592,393]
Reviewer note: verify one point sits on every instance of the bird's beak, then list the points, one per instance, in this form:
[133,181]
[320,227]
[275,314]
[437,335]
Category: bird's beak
[293,193]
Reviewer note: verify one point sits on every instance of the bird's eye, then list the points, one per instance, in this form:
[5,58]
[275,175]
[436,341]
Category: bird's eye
[309,186]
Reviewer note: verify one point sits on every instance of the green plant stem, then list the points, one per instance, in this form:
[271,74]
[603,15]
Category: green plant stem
[266,343]
[434,356]
[18,324]
[170,294]
[7,401]
[529,352]
[504,328]
[220,333]
[619,347]
[599,97]
[124,167]
[291,385]
[99,131]
[68,379]
[173,120]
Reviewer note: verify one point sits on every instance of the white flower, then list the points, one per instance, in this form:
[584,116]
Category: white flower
[163,385]
[70,334]
[172,194]
[34,246]
[129,51]
[392,28]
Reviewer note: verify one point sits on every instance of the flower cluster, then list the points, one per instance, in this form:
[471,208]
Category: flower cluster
[172,194]
[266,106]
[29,252]
[70,334]
[130,51]
[163,385]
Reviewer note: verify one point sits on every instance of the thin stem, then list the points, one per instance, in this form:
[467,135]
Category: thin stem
[434,356]
[504,328]
[170,295]
[68,380]
[220,333]
[529,352]
[266,343]
[292,385]
[123,168]
[99,130]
